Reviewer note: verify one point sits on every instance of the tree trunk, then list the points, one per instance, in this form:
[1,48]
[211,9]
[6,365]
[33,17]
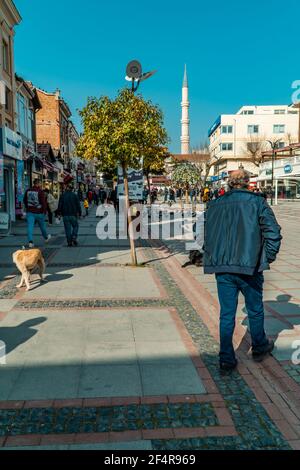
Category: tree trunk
[129,218]
[148,184]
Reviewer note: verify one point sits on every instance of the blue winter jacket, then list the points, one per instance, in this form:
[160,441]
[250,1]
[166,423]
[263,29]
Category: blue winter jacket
[241,234]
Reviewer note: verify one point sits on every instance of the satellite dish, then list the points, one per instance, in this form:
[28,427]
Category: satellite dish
[134,70]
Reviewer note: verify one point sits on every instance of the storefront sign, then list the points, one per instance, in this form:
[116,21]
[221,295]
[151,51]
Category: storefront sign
[215,125]
[11,143]
[214,179]
[288,169]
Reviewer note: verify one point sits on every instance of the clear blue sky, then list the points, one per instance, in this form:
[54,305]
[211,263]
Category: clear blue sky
[236,52]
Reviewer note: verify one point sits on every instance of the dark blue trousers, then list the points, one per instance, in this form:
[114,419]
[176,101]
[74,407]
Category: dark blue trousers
[71,227]
[229,286]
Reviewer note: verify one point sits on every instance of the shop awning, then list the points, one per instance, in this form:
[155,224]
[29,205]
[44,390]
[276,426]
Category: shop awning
[49,167]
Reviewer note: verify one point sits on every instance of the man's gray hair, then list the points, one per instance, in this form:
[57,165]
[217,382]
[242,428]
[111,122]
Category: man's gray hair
[239,179]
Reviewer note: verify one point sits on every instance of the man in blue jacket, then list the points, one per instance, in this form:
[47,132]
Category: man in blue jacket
[242,239]
[69,207]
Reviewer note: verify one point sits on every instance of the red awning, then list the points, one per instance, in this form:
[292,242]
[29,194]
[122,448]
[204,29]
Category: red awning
[49,167]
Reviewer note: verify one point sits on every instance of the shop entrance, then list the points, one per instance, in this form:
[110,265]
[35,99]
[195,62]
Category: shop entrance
[7,203]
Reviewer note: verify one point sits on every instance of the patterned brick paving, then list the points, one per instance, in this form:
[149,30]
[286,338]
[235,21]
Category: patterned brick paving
[254,408]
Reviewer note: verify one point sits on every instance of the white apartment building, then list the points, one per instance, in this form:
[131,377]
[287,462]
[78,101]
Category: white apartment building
[234,138]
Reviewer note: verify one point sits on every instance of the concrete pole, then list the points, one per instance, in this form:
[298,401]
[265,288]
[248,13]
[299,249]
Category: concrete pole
[276,192]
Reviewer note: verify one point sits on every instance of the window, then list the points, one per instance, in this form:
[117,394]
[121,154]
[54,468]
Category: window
[227,129]
[253,129]
[279,111]
[30,127]
[6,58]
[22,114]
[8,100]
[247,112]
[281,145]
[279,129]
[226,147]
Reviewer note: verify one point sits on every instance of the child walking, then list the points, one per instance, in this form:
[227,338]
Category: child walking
[86,206]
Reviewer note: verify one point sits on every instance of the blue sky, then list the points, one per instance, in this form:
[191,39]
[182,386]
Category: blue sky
[237,52]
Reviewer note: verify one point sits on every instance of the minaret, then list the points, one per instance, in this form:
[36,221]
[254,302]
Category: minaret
[185,121]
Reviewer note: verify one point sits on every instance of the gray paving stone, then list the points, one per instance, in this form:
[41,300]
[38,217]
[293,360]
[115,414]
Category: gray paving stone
[46,382]
[158,352]
[7,304]
[170,380]
[110,353]
[8,379]
[110,381]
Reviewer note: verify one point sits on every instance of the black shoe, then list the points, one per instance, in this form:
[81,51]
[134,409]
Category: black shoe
[70,244]
[75,243]
[226,367]
[259,356]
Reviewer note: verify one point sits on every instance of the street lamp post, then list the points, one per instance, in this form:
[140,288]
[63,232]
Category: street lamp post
[135,75]
[274,145]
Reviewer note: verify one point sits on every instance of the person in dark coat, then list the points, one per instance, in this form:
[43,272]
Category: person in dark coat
[70,209]
[35,203]
[242,239]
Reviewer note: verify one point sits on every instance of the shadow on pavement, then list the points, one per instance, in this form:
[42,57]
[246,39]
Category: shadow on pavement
[280,310]
[16,335]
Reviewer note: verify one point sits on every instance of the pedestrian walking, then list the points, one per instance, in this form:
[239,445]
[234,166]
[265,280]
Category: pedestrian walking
[166,194]
[145,195]
[52,205]
[113,198]
[96,197]
[69,208]
[252,241]
[102,195]
[192,195]
[36,207]
[86,205]
[206,195]
[90,197]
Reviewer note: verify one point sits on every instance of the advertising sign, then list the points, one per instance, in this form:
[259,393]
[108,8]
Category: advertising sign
[11,144]
[288,169]
[135,184]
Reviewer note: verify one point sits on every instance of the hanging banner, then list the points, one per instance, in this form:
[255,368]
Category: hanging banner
[2,192]
[20,176]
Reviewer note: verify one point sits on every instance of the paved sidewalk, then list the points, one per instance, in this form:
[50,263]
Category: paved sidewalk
[108,356]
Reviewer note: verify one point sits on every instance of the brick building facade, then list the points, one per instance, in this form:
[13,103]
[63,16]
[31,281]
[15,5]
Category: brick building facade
[53,123]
